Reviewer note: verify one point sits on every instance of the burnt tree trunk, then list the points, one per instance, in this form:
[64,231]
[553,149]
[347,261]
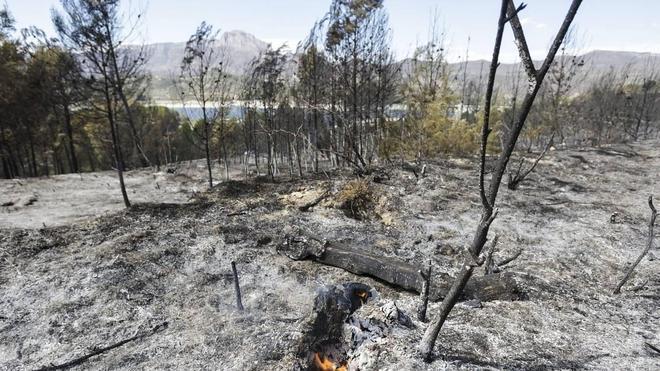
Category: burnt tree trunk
[364,261]
[508,12]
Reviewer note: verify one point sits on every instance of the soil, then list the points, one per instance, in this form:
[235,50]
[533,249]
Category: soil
[78,272]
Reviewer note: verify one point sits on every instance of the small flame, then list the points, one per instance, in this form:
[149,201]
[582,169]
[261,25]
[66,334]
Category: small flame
[323,363]
[363,295]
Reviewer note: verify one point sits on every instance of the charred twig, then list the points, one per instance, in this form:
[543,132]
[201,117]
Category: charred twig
[509,259]
[237,213]
[640,286]
[653,348]
[97,350]
[237,287]
[519,176]
[513,11]
[654,214]
[410,168]
[426,276]
[315,201]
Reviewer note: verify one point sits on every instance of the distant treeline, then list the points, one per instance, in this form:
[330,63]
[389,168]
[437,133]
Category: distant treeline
[80,102]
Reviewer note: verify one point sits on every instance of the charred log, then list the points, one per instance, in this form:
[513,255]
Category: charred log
[365,262]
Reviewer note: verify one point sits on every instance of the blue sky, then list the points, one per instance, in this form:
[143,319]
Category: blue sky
[633,25]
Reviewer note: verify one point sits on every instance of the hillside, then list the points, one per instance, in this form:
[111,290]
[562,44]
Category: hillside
[596,63]
[157,277]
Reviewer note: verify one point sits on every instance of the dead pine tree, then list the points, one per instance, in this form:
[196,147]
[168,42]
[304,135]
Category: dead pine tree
[508,13]
[204,83]
[95,32]
[654,214]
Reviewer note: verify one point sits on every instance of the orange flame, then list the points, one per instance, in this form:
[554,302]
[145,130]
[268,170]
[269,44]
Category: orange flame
[323,363]
[363,295]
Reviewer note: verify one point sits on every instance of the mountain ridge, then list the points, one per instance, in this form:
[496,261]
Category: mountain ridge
[241,47]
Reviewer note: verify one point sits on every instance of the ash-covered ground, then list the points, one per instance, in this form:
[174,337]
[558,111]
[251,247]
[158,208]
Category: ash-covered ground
[85,284]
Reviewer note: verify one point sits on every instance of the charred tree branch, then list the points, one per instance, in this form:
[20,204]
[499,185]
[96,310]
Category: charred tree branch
[365,262]
[489,265]
[521,42]
[97,350]
[430,336]
[315,201]
[509,259]
[653,348]
[520,176]
[654,214]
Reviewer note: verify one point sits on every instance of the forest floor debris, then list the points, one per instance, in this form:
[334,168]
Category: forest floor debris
[88,279]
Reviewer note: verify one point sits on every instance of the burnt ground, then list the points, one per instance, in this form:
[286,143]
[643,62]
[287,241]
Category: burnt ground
[90,283]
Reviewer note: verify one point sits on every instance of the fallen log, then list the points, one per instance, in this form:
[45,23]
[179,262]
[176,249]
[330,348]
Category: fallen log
[366,262]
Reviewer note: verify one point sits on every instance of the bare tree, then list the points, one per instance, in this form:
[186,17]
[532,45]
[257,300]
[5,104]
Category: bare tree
[95,30]
[203,80]
[645,96]
[508,12]
[266,84]
[565,72]
[357,48]
[312,74]
[61,85]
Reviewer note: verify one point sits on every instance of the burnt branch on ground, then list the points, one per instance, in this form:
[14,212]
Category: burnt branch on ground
[519,176]
[315,201]
[508,260]
[649,245]
[97,351]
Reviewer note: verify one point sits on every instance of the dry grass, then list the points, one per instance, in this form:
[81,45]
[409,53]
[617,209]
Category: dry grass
[357,199]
